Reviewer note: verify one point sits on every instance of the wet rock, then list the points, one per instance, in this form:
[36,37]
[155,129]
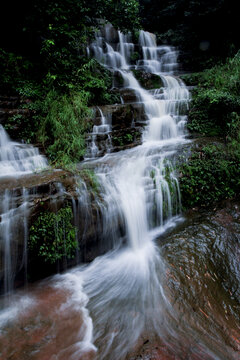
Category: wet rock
[47,192]
[129,96]
[9,102]
[126,138]
[122,117]
[125,123]
[148,80]
[213,236]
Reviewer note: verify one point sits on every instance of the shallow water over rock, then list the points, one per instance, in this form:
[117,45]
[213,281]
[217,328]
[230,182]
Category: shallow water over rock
[198,317]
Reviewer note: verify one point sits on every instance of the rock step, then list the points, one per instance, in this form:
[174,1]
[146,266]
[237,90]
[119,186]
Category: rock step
[9,102]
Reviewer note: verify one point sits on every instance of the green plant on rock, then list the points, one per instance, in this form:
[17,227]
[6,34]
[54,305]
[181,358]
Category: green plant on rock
[97,81]
[63,129]
[53,237]
[211,174]
[216,99]
[91,180]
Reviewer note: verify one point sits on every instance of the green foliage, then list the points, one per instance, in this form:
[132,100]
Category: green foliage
[216,106]
[97,82]
[54,35]
[125,139]
[46,63]
[13,68]
[30,89]
[21,124]
[59,121]
[91,180]
[211,174]
[62,131]
[53,237]
[192,79]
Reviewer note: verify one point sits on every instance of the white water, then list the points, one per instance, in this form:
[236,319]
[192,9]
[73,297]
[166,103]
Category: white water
[102,129]
[15,160]
[13,229]
[140,190]
[140,193]
[156,59]
[18,159]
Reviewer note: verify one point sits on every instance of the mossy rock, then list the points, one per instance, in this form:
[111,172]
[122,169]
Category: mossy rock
[147,80]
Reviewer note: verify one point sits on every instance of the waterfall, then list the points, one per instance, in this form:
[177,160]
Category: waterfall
[156,59]
[139,200]
[144,176]
[99,130]
[140,191]
[15,160]
[13,235]
[18,159]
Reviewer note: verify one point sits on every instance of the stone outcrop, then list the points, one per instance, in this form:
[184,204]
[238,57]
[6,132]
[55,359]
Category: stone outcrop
[48,191]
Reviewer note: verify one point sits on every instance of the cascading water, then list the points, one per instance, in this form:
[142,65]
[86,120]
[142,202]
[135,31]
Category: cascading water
[99,130]
[156,59]
[13,231]
[140,191]
[18,159]
[140,198]
[142,172]
[126,290]
[15,160]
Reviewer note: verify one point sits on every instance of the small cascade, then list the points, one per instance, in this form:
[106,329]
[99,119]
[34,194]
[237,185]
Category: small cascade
[165,109]
[15,160]
[14,210]
[112,48]
[104,127]
[156,59]
[126,47]
[18,159]
[99,131]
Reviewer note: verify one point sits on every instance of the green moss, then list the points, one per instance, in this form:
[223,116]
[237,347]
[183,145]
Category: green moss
[52,237]
[148,80]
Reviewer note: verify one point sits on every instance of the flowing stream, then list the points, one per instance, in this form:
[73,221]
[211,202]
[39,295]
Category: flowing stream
[18,159]
[15,160]
[107,309]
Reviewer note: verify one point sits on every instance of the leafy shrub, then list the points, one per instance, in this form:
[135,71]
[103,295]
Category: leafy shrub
[97,81]
[53,237]
[211,174]
[209,112]
[13,68]
[63,129]
[216,99]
